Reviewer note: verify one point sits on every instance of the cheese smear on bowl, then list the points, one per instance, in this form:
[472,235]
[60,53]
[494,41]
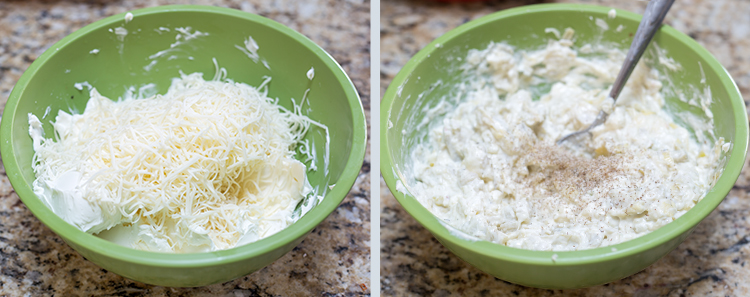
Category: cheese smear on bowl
[207,166]
[491,168]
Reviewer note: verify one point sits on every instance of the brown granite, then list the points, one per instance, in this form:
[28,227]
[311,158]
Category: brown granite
[334,260]
[713,261]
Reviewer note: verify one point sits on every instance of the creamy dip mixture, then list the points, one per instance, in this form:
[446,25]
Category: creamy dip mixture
[492,170]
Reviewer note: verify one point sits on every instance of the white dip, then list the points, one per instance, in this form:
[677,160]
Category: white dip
[492,169]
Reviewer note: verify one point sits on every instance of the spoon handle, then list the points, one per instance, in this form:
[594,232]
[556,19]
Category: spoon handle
[655,12]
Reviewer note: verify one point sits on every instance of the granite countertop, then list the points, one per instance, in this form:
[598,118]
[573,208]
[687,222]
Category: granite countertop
[36,262]
[713,261]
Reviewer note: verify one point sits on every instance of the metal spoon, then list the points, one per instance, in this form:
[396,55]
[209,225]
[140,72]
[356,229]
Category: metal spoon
[655,12]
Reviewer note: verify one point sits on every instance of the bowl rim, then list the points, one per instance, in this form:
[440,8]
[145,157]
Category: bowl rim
[567,258]
[189,260]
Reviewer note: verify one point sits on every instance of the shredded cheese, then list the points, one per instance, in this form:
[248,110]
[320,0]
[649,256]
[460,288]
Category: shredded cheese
[311,73]
[206,166]
[251,49]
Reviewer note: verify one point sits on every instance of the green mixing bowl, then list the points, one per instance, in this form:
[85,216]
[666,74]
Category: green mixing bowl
[432,73]
[133,61]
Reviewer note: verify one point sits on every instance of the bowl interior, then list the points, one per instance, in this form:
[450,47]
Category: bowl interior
[433,72]
[160,43]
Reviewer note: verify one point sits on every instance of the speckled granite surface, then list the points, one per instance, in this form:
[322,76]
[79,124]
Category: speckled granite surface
[35,262]
[713,261]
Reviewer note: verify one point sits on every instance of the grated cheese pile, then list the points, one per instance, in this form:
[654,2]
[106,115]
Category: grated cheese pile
[207,166]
